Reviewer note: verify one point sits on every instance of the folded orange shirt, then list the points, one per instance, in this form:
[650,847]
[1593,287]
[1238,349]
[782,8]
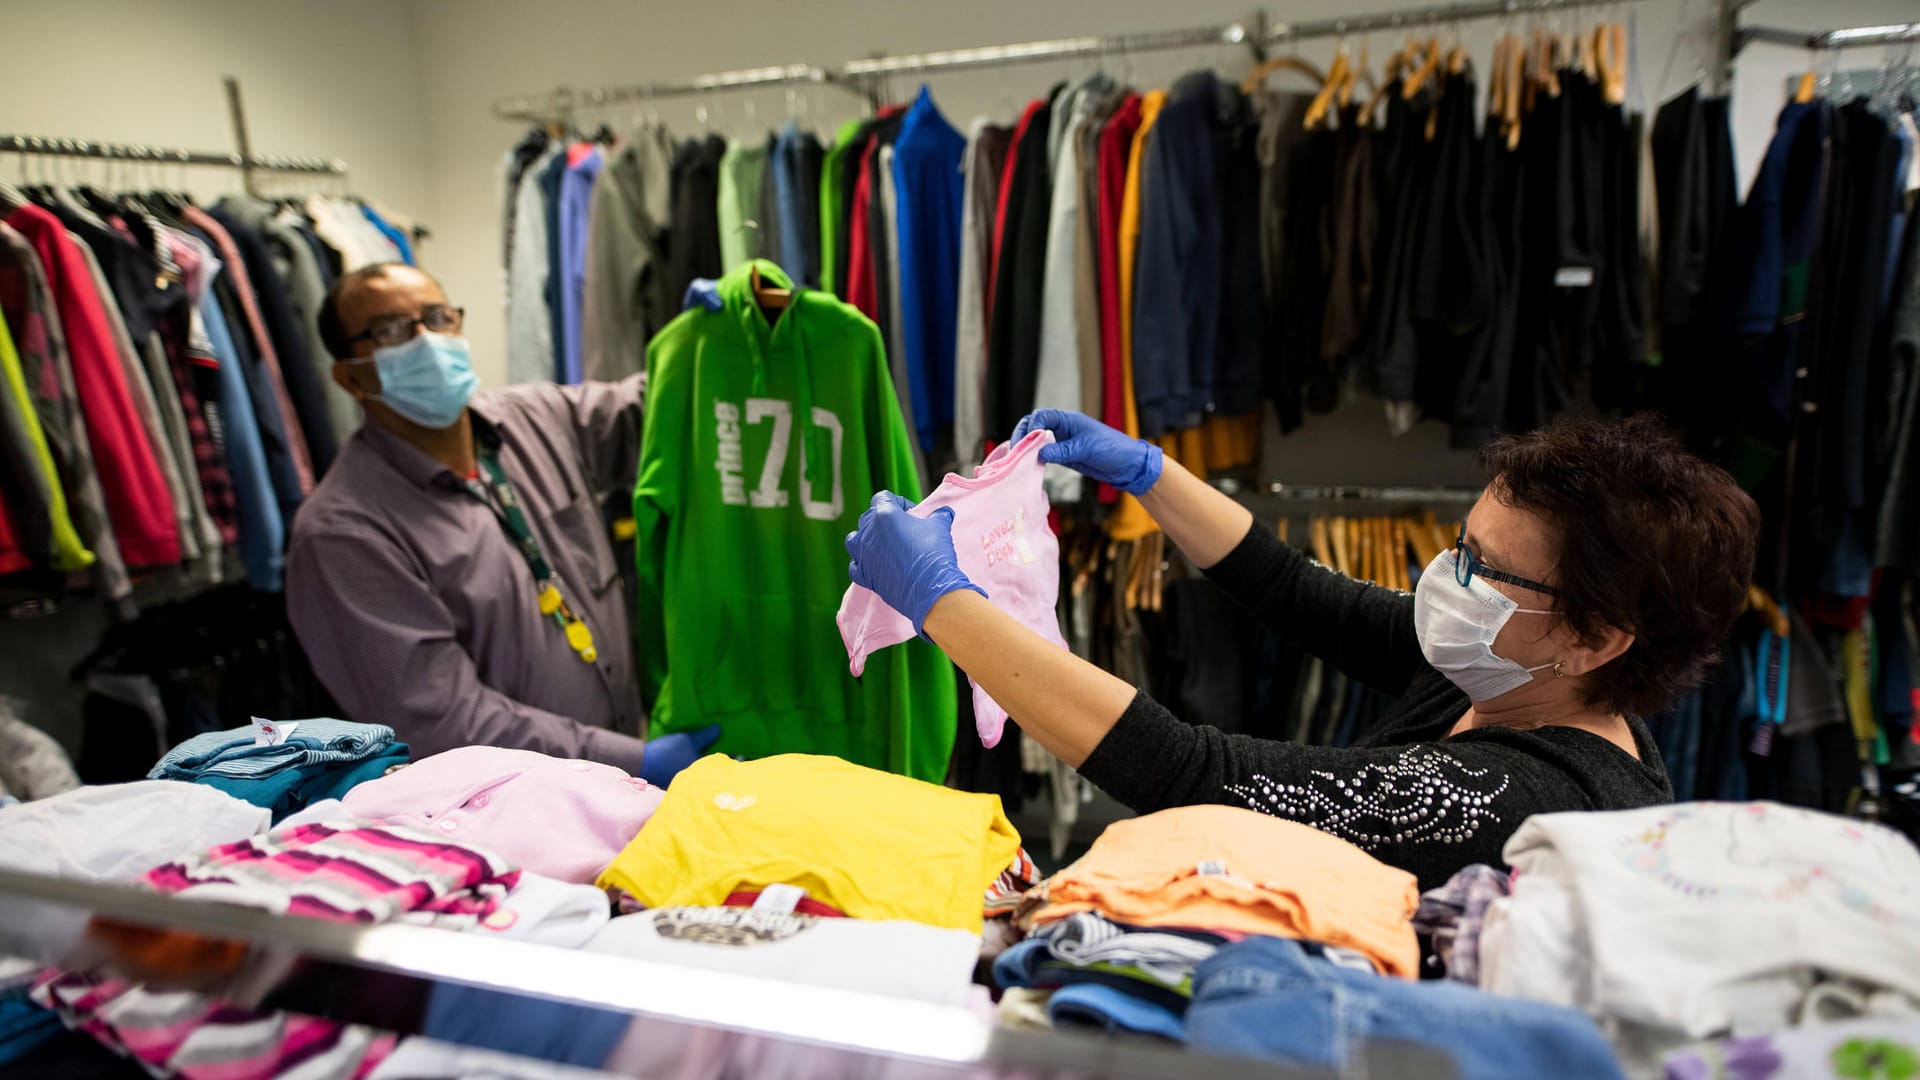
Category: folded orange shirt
[1224,868]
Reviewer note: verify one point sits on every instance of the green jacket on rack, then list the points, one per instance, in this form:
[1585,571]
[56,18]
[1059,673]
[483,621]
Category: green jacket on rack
[767,433]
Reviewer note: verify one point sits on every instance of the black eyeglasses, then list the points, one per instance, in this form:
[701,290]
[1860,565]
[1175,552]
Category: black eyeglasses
[1465,565]
[389,330]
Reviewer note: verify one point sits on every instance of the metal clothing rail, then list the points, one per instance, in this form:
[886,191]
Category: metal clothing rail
[1430,16]
[1824,40]
[561,102]
[1054,49]
[142,153]
[1350,493]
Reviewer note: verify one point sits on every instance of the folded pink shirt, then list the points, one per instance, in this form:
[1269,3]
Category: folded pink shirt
[558,817]
[1005,546]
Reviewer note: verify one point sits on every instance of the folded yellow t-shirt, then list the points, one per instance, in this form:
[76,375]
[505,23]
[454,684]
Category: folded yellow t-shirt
[874,845]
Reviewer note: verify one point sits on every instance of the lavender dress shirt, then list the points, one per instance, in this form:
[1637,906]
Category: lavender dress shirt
[418,612]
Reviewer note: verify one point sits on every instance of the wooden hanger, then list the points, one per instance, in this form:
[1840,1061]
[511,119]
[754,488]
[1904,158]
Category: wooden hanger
[1543,63]
[1383,551]
[1361,70]
[1369,550]
[1758,600]
[1457,59]
[1610,48]
[1497,82]
[1428,66]
[1160,571]
[1337,530]
[1587,54]
[1402,579]
[1280,530]
[1398,550]
[767,295]
[1258,77]
[1803,91]
[1321,539]
[1323,101]
[1442,538]
[1137,550]
[1395,66]
[1510,121]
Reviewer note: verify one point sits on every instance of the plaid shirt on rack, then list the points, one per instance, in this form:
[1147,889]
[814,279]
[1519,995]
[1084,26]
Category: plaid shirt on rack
[195,373]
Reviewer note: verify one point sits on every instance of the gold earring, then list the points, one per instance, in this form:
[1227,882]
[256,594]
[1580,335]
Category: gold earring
[1559,668]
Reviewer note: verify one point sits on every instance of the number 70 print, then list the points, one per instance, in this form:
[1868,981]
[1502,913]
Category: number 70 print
[770,495]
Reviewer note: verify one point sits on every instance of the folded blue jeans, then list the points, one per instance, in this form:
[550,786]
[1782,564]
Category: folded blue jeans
[1272,998]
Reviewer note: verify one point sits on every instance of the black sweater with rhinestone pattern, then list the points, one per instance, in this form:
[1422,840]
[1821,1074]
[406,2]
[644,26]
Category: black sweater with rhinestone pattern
[1407,792]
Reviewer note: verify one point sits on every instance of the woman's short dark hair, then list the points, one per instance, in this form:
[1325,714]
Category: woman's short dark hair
[1651,539]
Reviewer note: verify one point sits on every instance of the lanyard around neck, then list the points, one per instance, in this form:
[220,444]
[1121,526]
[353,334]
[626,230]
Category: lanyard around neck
[505,505]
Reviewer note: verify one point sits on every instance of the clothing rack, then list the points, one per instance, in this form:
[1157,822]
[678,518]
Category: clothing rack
[142,153]
[1732,38]
[1054,49]
[560,103]
[1856,37]
[862,75]
[1350,493]
[1342,25]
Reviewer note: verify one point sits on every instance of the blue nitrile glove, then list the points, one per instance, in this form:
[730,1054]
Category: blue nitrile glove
[667,754]
[907,561]
[1095,450]
[702,292]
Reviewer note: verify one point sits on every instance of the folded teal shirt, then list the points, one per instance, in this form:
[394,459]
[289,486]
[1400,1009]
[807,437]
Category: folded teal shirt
[320,740]
[295,787]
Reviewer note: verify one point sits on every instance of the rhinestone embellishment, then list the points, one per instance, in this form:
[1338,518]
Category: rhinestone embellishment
[1423,796]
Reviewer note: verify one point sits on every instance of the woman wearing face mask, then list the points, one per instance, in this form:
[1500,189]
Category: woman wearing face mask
[1591,585]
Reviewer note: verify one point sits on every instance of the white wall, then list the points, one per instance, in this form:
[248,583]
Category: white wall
[328,79]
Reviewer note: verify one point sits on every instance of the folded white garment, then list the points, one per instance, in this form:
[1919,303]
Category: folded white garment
[117,832]
[895,959]
[1704,919]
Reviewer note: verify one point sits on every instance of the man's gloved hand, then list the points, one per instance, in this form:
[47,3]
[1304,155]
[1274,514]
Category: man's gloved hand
[907,561]
[668,754]
[1095,450]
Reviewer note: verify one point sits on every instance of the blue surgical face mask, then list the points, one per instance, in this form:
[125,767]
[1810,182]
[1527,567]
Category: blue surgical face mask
[428,379]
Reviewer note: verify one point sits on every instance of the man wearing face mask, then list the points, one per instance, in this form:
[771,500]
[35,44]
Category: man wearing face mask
[453,576]
[1590,587]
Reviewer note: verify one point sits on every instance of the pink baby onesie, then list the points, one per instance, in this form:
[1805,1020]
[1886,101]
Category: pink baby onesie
[1005,546]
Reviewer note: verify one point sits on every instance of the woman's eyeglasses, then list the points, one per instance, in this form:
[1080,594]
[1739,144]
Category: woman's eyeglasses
[1465,566]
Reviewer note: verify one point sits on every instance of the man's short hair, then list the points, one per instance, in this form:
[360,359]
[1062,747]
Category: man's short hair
[333,332]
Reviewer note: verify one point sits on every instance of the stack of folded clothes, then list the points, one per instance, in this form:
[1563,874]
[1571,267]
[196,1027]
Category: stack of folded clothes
[320,759]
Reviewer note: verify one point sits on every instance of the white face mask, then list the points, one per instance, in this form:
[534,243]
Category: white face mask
[1457,626]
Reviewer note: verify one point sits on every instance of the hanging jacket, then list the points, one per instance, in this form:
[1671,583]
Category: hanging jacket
[694,248]
[985,155]
[763,443]
[833,205]
[1130,520]
[926,170]
[136,493]
[627,296]
[1013,345]
[303,381]
[1177,293]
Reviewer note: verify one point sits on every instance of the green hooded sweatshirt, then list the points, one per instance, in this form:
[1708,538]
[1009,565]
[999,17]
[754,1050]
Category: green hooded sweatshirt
[742,509]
